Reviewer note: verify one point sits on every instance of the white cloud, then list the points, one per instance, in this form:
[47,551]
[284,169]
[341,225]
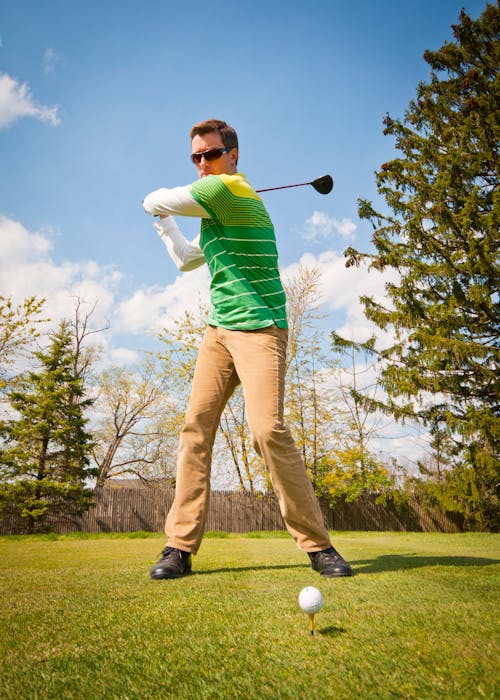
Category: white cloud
[16,102]
[321,226]
[50,60]
[123,356]
[153,308]
[407,445]
[19,246]
[341,288]
[27,269]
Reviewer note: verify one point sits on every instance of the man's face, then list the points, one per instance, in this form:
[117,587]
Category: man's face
[226,164]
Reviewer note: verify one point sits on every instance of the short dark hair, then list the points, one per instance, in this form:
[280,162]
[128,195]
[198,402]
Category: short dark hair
[227,133]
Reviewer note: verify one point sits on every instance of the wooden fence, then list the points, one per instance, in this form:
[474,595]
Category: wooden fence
[127,509]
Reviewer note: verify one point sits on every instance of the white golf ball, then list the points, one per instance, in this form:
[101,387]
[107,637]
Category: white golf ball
[310,599]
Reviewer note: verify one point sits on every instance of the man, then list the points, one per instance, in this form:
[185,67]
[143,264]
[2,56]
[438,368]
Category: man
[245,342]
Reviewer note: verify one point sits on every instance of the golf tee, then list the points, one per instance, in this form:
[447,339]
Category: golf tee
[311,623]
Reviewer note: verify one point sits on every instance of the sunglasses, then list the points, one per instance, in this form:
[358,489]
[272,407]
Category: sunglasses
[209,155]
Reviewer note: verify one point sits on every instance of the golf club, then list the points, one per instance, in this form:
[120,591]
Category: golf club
[323,185]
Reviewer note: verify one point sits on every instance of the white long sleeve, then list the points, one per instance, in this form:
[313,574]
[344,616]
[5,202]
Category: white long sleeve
[176,201]
[185,254]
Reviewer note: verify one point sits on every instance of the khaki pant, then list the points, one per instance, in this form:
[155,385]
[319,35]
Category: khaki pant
[257,360]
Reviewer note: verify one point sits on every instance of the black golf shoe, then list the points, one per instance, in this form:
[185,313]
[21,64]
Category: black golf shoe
[173,563]
[329,563]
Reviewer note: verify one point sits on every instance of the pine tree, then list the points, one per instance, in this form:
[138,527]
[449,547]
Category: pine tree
[442,239]
[45,448]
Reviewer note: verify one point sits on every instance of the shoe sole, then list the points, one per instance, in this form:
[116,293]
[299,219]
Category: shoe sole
[334,574]
[167,576]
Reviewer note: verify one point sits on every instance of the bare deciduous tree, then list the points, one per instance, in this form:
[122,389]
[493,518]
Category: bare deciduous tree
[129,434]
[313,409]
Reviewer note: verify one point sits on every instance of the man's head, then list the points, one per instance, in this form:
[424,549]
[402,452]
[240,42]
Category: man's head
[220,142]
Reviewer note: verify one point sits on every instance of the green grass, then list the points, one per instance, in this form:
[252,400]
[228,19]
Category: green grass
[81,619]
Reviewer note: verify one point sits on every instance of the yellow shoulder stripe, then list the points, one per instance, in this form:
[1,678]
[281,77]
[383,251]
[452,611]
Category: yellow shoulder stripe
[238,186]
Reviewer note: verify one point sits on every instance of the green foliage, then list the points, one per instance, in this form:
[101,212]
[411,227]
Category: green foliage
[442,240]
[180,345]
[353,471]
[44,455]
[460,491]
[18,328]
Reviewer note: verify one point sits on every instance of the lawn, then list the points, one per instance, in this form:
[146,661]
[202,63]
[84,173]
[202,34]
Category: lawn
[81,619]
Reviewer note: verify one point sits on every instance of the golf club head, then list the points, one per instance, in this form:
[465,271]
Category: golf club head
[323,185]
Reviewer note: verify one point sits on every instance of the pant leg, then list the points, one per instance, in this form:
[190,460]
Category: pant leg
[260,361]
[214,381]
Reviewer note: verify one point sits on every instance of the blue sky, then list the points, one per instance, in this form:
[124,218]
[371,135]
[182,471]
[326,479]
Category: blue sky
[305,85]
[96,101]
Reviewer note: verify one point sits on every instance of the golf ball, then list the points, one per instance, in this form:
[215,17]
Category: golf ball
[310,599]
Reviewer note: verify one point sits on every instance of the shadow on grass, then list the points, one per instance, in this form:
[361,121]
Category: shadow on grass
[386,562]
[231,569]
[331,631]
[399,562]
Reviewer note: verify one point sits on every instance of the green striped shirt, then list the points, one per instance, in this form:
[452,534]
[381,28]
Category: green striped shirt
[239,245]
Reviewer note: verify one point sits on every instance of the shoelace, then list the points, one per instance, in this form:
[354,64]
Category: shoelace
[169,550]
[329,553]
